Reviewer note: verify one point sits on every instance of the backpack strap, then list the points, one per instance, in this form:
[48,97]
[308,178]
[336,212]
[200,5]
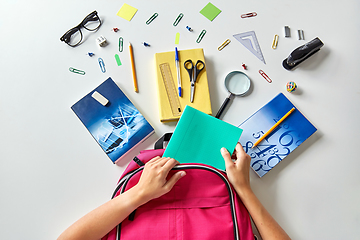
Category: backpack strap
[160,143]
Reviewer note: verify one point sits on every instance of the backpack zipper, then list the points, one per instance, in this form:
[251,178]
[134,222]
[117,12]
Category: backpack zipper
[123,182]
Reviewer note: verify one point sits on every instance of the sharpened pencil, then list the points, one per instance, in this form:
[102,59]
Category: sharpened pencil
[273,127]
[133,68]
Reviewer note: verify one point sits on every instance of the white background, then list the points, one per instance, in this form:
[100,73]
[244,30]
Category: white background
[52,171]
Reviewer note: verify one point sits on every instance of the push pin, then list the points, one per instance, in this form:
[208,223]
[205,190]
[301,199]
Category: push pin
[91,54]
[146,44]
[115,29]
[244,66]
[189,28]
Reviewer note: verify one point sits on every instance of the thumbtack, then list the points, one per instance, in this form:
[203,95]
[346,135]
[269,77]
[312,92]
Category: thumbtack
[189,28]
[244,66]
[146,44]
[115,29]
[91,54]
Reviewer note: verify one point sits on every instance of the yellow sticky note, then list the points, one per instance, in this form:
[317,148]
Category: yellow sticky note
[177,38]
[127,12]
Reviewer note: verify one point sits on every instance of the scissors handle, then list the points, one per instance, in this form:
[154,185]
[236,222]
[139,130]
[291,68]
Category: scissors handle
[199,66]
[188,63]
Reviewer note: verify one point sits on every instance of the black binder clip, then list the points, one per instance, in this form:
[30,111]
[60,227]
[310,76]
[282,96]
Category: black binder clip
[302,53]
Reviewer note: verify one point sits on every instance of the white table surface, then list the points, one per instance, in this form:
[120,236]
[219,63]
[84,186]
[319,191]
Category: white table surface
[52,171]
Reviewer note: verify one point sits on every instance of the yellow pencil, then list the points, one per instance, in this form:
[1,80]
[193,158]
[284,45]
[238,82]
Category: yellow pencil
[273,127]
[133,68]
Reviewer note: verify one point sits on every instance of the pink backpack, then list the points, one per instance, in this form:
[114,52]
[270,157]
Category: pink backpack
[201,205]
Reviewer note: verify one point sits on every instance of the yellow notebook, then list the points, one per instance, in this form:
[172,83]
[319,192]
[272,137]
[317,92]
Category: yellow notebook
[202,96]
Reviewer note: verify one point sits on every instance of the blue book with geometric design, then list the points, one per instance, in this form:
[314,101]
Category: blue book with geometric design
[284,139]
[115,123]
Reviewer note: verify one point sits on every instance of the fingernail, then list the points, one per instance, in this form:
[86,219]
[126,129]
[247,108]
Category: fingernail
[223,150]
[182,174]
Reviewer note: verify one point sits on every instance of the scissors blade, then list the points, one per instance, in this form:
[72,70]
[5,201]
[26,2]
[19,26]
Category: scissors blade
[192,92]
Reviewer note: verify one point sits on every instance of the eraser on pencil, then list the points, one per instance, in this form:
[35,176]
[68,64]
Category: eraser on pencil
[100,98]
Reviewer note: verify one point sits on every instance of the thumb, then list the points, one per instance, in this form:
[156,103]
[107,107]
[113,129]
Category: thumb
[171,182]
[227,157]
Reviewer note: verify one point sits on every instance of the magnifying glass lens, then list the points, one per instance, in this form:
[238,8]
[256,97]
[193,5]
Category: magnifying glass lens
[237,83]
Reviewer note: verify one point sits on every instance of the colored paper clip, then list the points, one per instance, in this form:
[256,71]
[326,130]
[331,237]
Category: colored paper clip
[178,19]
[247,15]
[102,65]
[121,41]
[275,41]
[81,72]
[224,44]
[265,76]
[152,18]
[201,36]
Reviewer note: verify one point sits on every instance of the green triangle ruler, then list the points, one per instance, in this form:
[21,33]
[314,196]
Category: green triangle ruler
[249,40]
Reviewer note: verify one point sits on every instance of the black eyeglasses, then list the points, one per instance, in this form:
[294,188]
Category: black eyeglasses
[74,36]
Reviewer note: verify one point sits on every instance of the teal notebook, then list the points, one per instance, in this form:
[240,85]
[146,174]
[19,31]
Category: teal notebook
[198,138]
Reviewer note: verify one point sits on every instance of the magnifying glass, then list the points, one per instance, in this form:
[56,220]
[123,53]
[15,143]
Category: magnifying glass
[236,83]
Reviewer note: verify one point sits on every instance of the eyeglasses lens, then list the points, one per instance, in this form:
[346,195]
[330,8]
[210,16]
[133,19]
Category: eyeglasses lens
[73,37]
[91,22]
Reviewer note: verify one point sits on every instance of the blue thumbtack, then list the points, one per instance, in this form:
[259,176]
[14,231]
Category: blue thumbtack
[189,28]
[146,44]
[91,54]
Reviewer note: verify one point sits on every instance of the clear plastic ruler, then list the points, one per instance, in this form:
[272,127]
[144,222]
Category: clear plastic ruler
[249,40]
[170,89]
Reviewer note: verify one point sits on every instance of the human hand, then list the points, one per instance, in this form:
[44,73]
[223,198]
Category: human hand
[153,182]
[238,171]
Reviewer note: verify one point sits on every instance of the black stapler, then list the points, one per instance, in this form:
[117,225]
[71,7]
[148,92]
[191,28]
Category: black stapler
[302,53]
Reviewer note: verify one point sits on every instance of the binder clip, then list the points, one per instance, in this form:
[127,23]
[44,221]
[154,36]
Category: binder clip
[302,53]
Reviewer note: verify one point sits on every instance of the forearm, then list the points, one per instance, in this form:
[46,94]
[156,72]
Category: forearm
[266,225]
[100,221]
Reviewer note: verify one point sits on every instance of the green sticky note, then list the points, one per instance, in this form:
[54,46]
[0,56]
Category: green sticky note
[210,11]
[127,12]
[117,58]
[198,138]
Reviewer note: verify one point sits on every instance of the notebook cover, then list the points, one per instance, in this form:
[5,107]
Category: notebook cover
[198,138]
[202,95]
[118,126]
[293,131]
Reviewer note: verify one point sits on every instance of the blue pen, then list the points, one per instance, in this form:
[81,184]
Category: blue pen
[178,70]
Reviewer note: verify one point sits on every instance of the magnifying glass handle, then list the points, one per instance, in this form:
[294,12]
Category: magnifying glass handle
[223,106]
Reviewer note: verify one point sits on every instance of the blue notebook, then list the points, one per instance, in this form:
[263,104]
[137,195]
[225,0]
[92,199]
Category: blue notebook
[116,125]
[293,131]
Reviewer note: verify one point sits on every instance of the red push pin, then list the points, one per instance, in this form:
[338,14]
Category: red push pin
[244,66]
[115,29]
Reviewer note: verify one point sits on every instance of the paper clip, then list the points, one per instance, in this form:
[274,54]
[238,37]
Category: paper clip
[265,76]
[275,41]
[224,44]
[121,41]
[81,72]
[152,18]
[102,65]
[247,15]
[201,36]
[178,19]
